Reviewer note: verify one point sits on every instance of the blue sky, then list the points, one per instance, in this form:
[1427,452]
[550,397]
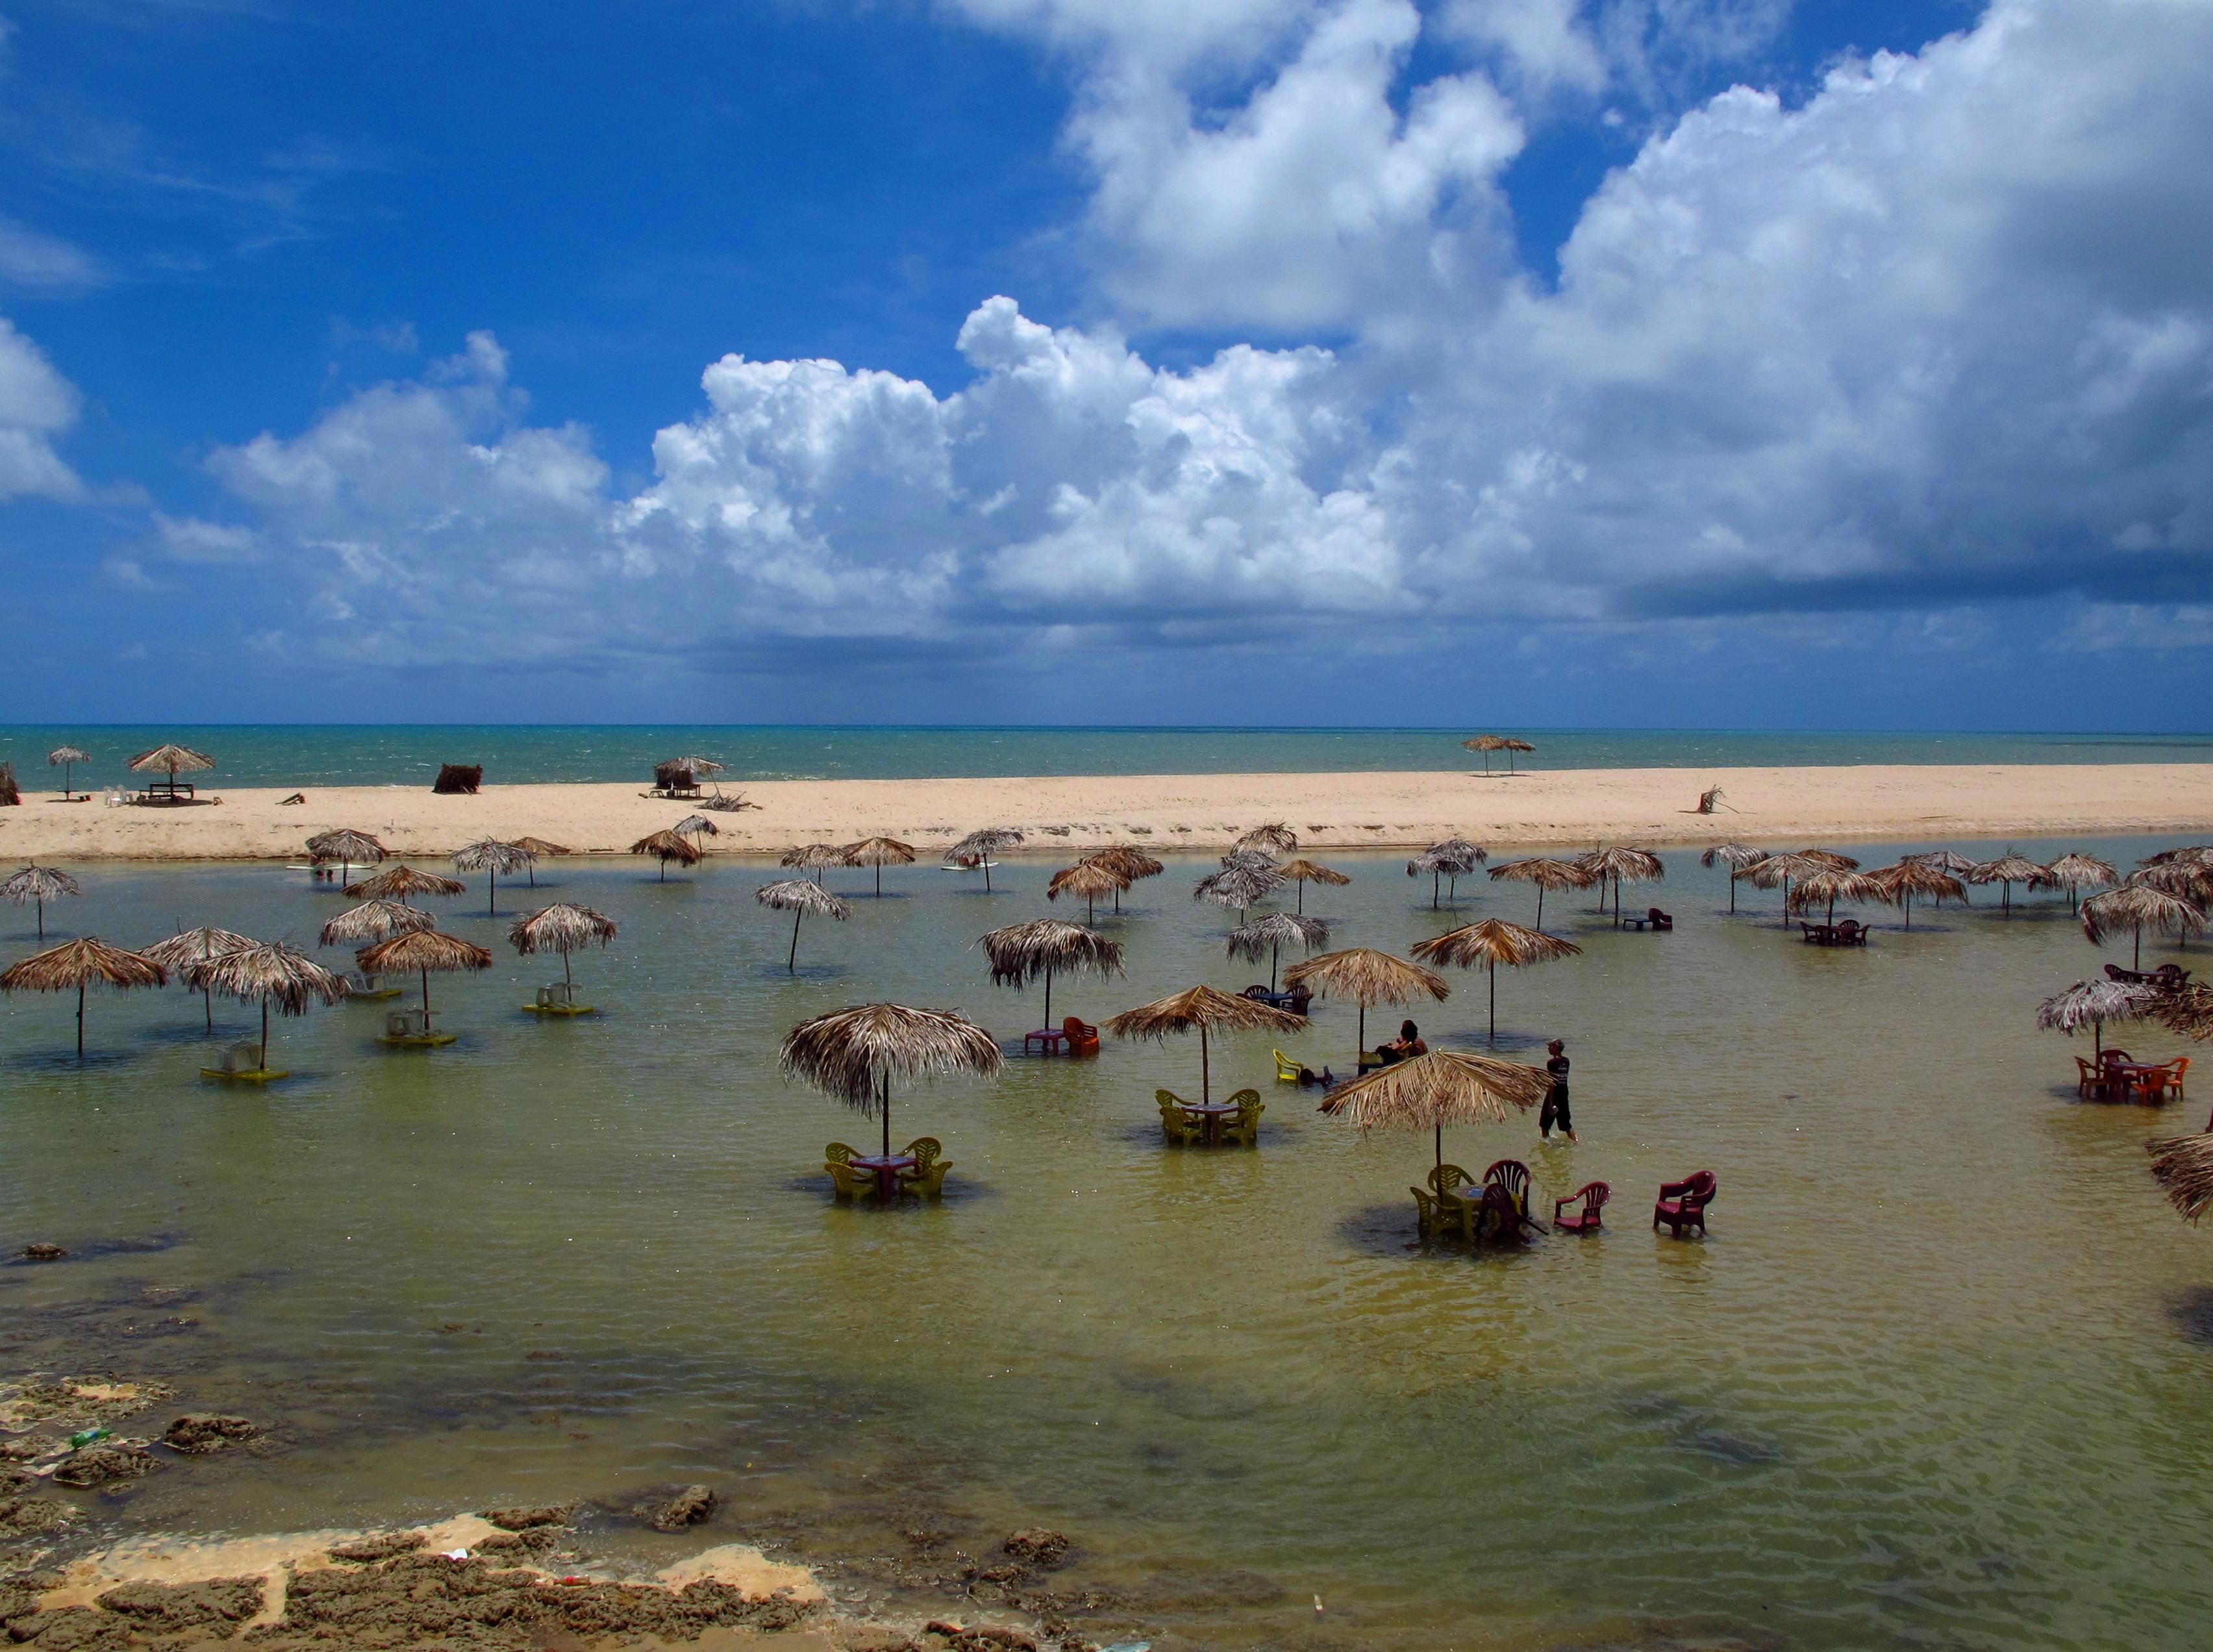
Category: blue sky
[1611,361]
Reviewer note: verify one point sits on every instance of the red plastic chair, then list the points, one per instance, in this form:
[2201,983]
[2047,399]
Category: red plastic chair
[1082,1037]
[1683,1203]
[1594,1196]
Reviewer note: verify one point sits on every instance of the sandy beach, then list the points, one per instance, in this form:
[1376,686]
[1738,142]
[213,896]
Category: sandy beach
[1771,807]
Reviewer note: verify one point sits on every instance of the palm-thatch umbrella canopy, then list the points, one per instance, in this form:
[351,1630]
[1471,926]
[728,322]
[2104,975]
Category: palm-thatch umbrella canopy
[1622,864]
[1275,931]
[1253,855]
[179,953]
[2195,854]
[38,883]
[852,1055]
[698,826]
[175,759]
[1274,835]
[1090,879]
[421,951]
[348,848]
[2183,1165]
[1453,858]
[398,882]
[541,849]
[373,920]
[489,855]
[1487,943]
[1201,1010]
[2075,872]
[1039,949]
[78,964]
[1832,884]
[1546,873]
[2091,1005]
[813,858]
[2188,879]
[1129,860]
[977,847]
[2134,907]
[1239,886]
[1735,856]
[563,927]
[879,852]
[1368,977]
[1304,872]
[66,758]
[2008,869]
[1910,879]
[1488,743]
[697,765]
[1944,860]
[271,972]
[1792,863]
[799,898]
[666,846]
[1445,1087]
[2186,1009]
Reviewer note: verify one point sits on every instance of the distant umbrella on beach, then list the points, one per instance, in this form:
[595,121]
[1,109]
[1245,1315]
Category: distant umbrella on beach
[1089,879]
[348,848]
[1127,863]
[1304,872]
[541,850]
[2008,869]
[977,849]
[2075,872]
[66,758]
[39,884]
[398,882]
[273,972]
[667,846]
[1909,879]
[78,964]
[813,858]
[181,952]
[853,1055]
[1944,860]
[175,759]
[1045,947]
[1547,874]
[1368,977]
[1490,942]
[2134,907]
[562,927]
[419,952]
[1275,931]
[1454,859]
[1238,887]
[1735,856]
[1487,744]
[697,826]
[2091,1005]
[879,852]
[800,898]
[491,855]
[1202,1010]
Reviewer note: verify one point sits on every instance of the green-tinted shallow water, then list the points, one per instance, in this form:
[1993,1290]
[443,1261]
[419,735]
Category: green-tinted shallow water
[1939,1378]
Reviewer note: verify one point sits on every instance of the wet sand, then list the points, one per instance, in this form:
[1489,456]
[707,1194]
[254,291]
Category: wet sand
[1773,808]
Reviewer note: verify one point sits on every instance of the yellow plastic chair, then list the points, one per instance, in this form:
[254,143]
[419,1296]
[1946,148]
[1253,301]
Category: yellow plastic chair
[1443,1206]
[928,1176]
[1287,1070]
[838,1153]
[1180,1129]
[1244,1128]
[850,1183]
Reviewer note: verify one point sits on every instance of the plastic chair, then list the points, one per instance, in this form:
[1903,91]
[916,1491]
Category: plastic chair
[928,1176]
[1683,1203]
[1287,1070]
[1244,1128]
[1178,1126]
[1081,1037]
[2175,1070]
[1441,1205]
[1511,1178]
[838,1153]
[2089,1079]
[1594,1195]
[1660,920]
[848,1183]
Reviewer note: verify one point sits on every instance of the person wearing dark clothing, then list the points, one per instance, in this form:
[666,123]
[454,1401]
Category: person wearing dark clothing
[1555,1112]
[1405,1047]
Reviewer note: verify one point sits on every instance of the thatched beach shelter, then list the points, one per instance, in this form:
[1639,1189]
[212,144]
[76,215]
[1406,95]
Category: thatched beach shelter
[698,826]
[1304,872]
[977,849]
[373,920]
[349,848]
[1239,886]
[1454,859]
[1127,862]
[2091,1005]
[1489,943]
[1621,864]
[2134,907]
[853,1055]
[1487,744]
[66,758]
[2075,872]
[2008,869]
[879,852]
[541,849]
[1253,856]
[1089,879]
[78,964]
[39,884]
[1044,947]
[1368,977]
[1944,860]
[563,927]
[274,973]
[1202,1010]
[800,898]
[1911,879]
[1832,884]
[1274,835]
[1275,931]
[491,855]
[181,952]
[398,882]
[175,760]
[1735,856]
[1793,863]
[2183,1166]
[419,952]
[1547,874]
[1445,1087]
[667,846]
[2188,879]
[817,859]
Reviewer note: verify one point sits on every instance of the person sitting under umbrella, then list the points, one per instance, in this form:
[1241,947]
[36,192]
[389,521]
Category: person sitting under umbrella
[1406,1045]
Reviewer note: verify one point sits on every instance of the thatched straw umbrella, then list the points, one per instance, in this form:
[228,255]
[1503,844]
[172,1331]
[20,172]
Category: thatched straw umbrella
[1621,864]
[1127,862]
[813,858]
[697,765]
[541,850]
[2137,907]
[1274,835]
[271,972]
[977,847]
[852,1055]
[1368,977]
[1944,860]
[39,884]
[1302,873]
[1792,863]
[1445,1087]
[1275,931]
[181,952]
[348,848]
[1453,858]
[422,951]
[399,882]
[173,758]
[78,964]
[373,920]
[1488,743]
[799,898]
[2177,877]
[1487,943]
[2075,872]
[1090,879]
[1832,884]
[698,826]
[563,927]
[2193,854]
[2008,869]
[1546,873]
[667,846]
[2183,1165]
[879,852]
[2186,1009]
[1900,884]
[1022,953]
[1735,856]
[1239,886]
[491,855]
[66,758]
[1253,856]
[2091,1005]
[1201,1010]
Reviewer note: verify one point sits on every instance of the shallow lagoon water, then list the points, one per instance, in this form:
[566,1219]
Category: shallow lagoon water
[1938,1377]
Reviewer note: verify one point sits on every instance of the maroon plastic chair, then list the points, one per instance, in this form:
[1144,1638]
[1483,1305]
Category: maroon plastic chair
[1660,920]
[1594,1196]
[1683,1203]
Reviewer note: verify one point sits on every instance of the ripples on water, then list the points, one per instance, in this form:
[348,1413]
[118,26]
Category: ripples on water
[1938,1379]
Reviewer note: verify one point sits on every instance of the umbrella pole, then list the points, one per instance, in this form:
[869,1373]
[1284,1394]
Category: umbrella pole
[491,897]
[1048,997]
[1541,906]
[1205,1078]
[1732,895]
[265,1031]
[1441,1148]
[1360,1048]
[884,1103]
[566,977]
[987,871]
[42,927]
[1274,947]
[1436,883]
[2098,1041]
[80,1020]
[1786,900]
[880,879]
[2137,963]
[1494,1000]
[426,999]
[791,962]
[207,1000]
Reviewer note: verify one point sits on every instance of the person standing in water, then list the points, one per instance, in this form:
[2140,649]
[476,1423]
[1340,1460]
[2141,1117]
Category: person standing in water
[1555,1110]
